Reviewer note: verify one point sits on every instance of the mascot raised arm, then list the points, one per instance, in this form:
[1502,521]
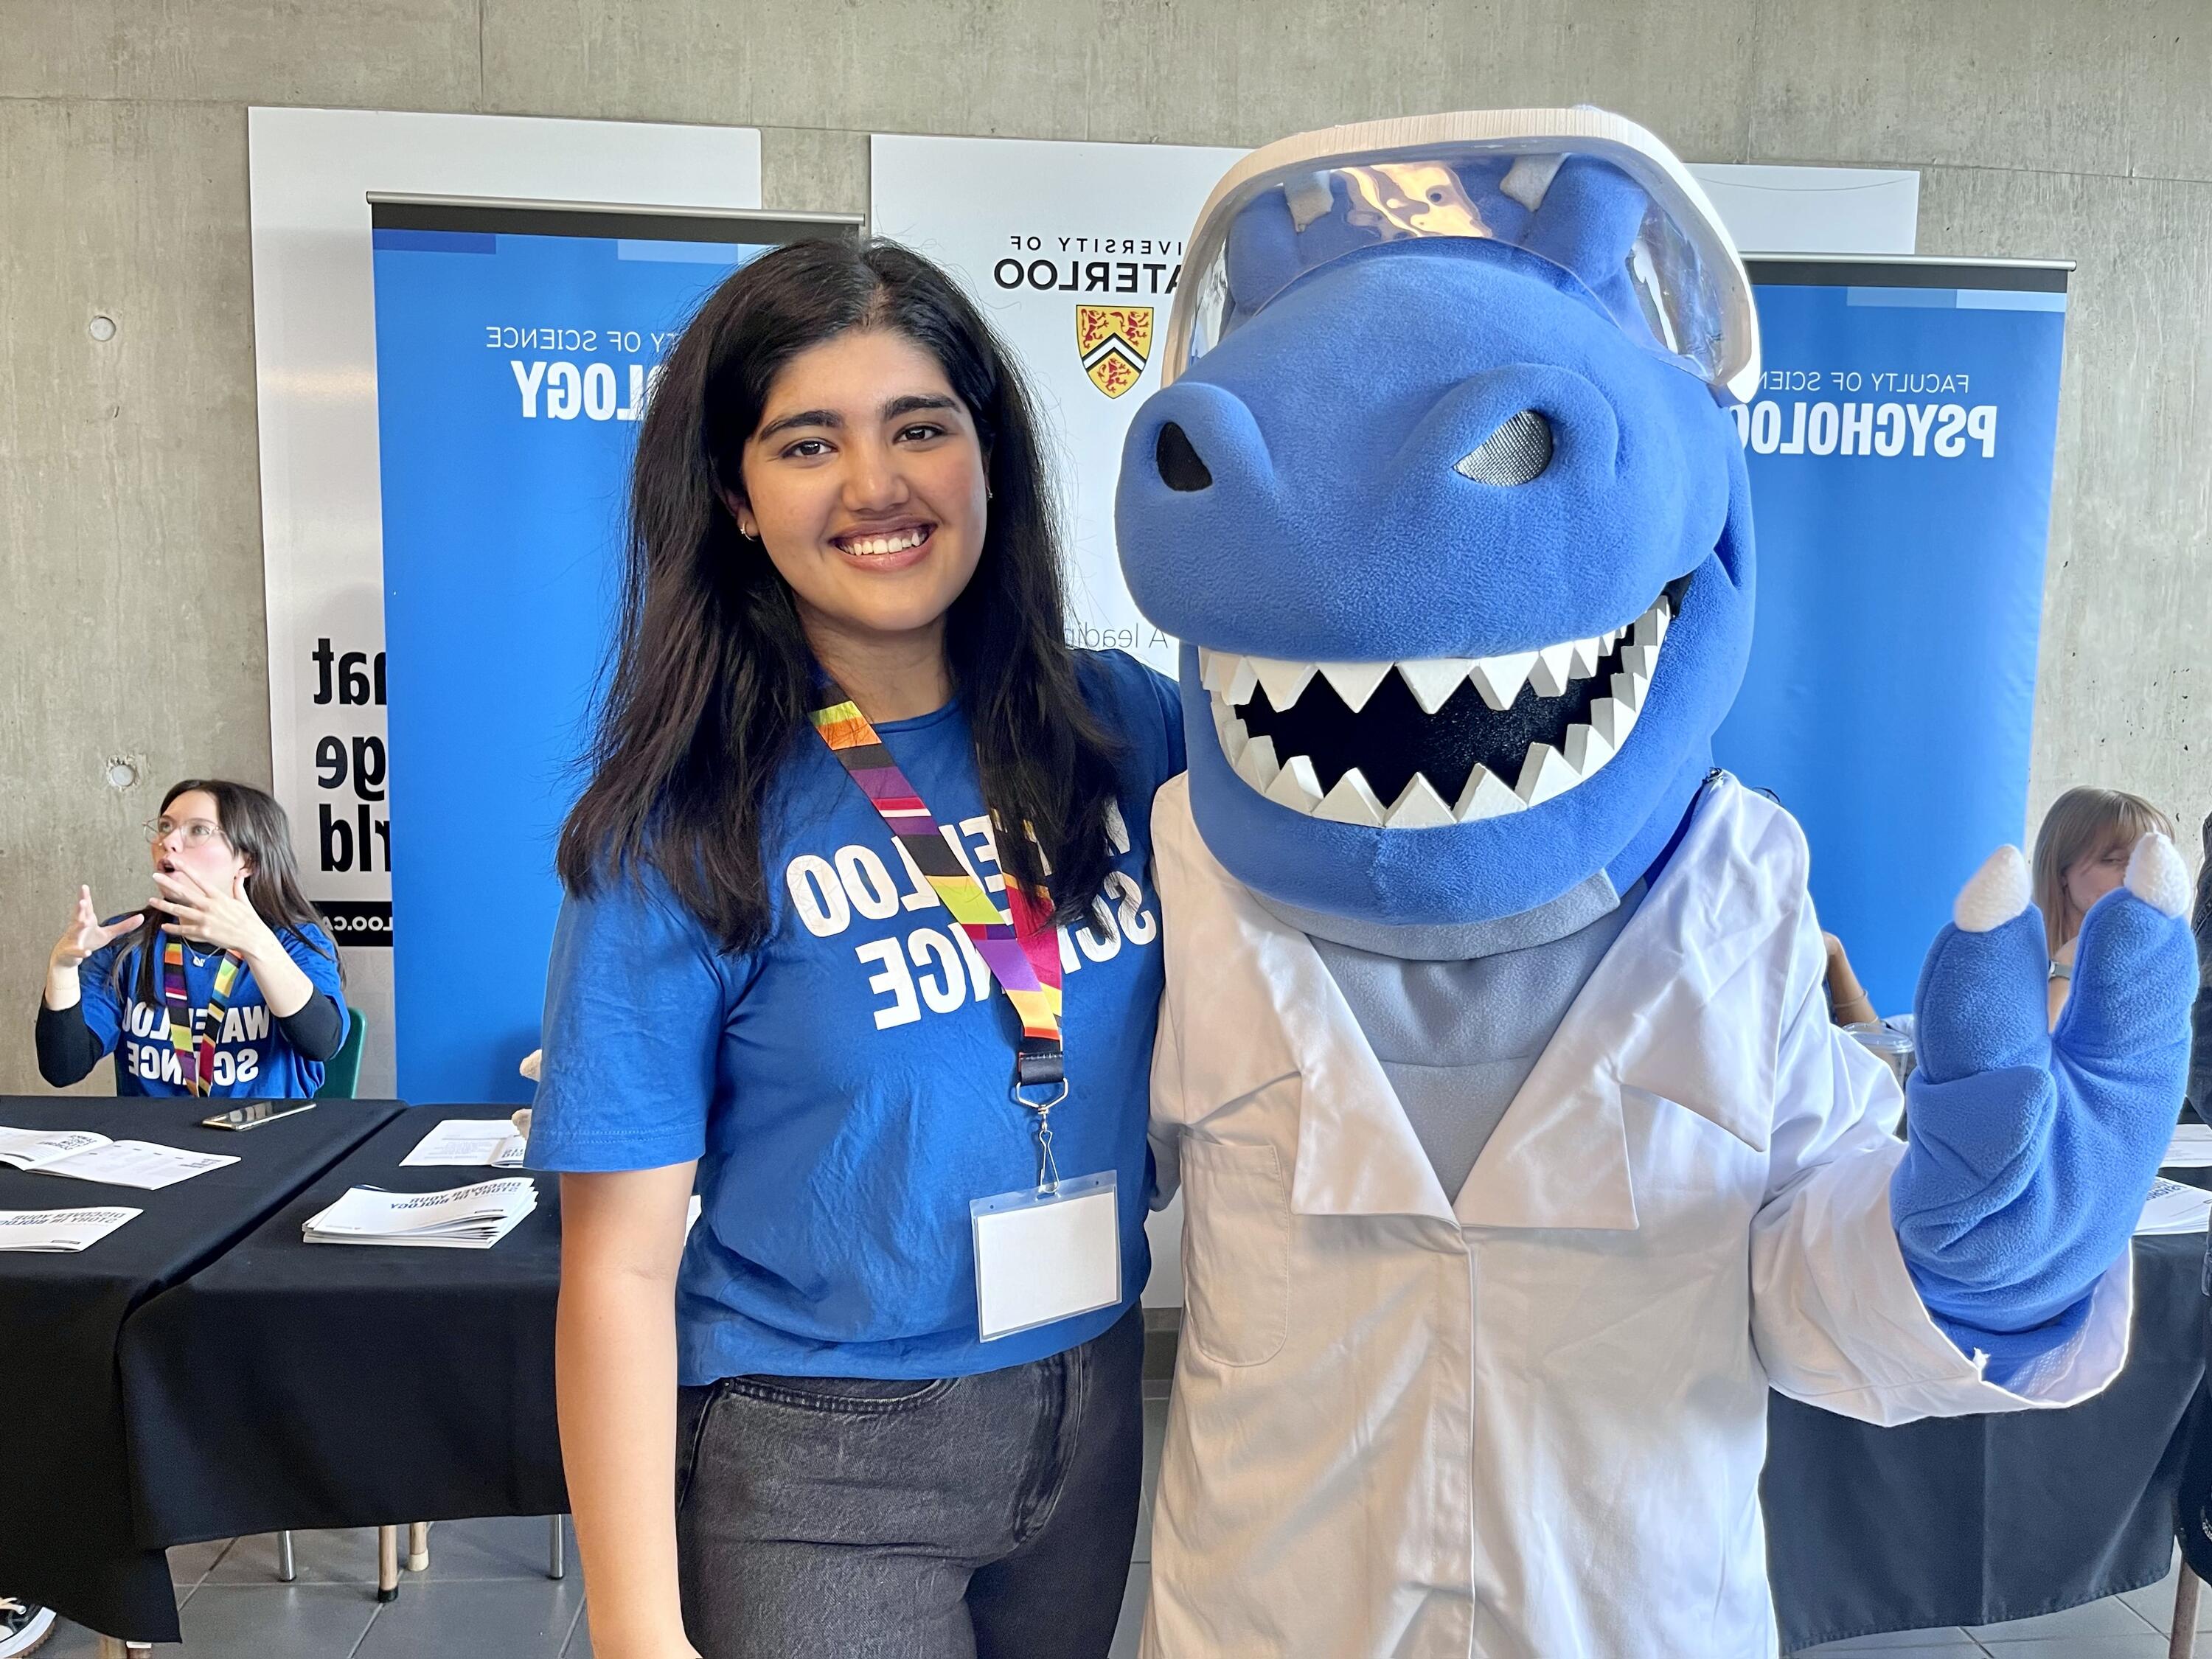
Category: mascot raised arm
[1520,1156]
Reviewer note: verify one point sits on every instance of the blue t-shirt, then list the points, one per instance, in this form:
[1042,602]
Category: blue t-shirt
[844,1086]
[253,1059]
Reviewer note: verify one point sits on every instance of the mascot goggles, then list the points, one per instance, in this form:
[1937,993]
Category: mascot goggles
[1680,291]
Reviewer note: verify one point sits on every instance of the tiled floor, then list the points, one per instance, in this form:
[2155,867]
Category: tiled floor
[486,1596]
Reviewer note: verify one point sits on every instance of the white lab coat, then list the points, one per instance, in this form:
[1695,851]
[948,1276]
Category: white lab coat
[1528,1424]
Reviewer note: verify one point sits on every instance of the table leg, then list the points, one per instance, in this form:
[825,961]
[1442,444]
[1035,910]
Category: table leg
[387,1564]
[2182,1644]
[555,1563]
[418,1546]
[286,1570]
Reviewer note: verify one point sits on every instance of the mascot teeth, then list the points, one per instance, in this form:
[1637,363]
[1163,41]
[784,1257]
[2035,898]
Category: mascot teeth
[1422,750]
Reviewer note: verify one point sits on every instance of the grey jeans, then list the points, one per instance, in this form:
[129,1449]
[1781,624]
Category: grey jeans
[852,1518]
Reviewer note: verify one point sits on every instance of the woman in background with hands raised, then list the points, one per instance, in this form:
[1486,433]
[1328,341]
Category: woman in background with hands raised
[225,984]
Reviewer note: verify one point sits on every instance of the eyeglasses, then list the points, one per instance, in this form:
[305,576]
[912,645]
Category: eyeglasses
[199,832]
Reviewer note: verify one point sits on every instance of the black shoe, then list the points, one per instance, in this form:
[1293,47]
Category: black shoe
[24,1626]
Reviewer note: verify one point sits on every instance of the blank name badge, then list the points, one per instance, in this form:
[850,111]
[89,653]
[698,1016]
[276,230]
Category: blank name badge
[1044,1257]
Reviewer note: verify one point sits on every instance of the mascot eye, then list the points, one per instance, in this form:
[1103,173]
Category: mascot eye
[1179,464]
[1515,453]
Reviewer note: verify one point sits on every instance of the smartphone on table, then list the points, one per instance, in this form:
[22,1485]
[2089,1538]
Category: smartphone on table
[254,1117]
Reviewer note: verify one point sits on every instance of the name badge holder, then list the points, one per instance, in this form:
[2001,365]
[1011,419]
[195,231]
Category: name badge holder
[1049,1253]
[1042,1254]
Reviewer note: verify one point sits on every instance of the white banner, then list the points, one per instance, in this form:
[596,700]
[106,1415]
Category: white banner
[1073,251]
[1769,210]
[310,173]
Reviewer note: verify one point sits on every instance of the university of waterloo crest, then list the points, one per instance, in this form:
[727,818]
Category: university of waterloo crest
[1113,342]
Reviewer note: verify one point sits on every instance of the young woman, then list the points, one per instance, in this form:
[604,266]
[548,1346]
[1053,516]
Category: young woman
[2082,854]
[225,984]
[848,776]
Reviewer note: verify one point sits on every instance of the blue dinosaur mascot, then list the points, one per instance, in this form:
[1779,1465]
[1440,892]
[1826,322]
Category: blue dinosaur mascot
[1520,1156]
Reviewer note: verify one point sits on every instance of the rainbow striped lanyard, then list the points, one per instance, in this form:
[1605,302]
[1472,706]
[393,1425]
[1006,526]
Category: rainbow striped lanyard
[1022,951]
[194,1040]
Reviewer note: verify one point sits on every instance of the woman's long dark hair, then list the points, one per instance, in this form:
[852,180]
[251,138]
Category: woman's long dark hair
[712,676]
[256,827]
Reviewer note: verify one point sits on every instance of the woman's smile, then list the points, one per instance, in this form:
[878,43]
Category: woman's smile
[884,549]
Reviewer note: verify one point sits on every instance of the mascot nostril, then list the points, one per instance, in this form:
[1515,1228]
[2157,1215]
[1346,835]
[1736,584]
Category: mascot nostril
[1518,451]
[1521,1157]
[1180,469]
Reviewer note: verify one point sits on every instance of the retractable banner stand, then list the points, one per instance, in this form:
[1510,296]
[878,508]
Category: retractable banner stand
[517,347]
[1900,449]
[311,173]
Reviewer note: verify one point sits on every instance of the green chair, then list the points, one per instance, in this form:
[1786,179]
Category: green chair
[342,1071]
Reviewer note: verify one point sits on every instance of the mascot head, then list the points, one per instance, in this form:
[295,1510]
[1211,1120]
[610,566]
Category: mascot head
[1446,501]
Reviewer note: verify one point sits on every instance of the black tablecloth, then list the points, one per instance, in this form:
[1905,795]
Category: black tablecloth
[393,1385]
[320,1385]
[1978,1520]
[66,1533]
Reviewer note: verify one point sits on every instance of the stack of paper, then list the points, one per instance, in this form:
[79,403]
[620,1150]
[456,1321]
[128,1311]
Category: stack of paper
[2174,1208]
[84,1156]
[466,1218]
[62,1232]
[493,1143]
[2191,1147]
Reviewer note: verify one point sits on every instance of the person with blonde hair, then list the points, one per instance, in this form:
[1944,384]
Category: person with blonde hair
[2082,854]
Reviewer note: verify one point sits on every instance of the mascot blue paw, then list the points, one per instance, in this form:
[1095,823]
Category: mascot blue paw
[2032,1149]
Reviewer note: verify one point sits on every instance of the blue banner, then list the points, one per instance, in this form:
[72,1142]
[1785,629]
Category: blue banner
[1900,450]
[515,352]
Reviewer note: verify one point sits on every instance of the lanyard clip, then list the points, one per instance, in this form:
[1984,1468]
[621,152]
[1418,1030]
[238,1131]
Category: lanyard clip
[1048,1168]
[1059,1087]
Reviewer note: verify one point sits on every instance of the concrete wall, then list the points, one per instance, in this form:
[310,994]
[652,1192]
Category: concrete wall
[132,643]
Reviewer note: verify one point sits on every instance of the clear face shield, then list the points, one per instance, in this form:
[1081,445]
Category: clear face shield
[1572,187]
